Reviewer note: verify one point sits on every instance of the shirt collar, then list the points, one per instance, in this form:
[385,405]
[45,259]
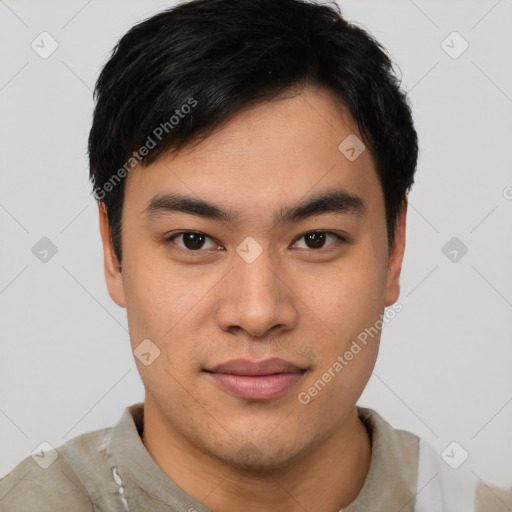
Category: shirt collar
[389,485]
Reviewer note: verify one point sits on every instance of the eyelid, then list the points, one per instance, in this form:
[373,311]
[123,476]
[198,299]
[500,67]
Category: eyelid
[340,239]
[170,239]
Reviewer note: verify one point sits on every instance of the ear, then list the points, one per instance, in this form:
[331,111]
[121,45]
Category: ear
[395,258]
[113,276]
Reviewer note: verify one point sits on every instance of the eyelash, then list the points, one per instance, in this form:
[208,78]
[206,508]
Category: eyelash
[170,239]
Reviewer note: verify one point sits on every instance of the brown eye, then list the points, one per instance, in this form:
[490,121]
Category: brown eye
[191,241]
[317,239]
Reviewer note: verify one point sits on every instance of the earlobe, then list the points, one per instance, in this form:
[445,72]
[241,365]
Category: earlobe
[395,258]
[113,276]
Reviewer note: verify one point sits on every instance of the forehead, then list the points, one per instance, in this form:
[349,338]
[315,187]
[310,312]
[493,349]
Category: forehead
[269,154]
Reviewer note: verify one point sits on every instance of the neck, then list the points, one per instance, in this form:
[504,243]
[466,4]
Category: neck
[327,479]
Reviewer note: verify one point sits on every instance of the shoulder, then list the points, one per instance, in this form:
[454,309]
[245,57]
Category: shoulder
[491,498]
[54,479]
[391,480]
[447,483]
[401,445]
[435,480]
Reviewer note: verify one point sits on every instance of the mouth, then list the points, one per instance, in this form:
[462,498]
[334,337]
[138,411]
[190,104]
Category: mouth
[259,381]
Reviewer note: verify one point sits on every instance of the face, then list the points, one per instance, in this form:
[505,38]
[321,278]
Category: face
[262,271]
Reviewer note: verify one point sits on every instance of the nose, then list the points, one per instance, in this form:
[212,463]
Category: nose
[257,297]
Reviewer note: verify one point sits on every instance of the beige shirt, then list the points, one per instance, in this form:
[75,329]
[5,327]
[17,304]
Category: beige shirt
[110,470]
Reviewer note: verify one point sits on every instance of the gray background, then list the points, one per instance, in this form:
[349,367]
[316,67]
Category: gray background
[444,367]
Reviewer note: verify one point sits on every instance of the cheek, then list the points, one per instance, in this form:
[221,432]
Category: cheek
[167,306]
[350,296]
[350,301]
[351,305]
[160,311]
[160,297]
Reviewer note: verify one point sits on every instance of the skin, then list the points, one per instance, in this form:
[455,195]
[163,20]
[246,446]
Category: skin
[294,302]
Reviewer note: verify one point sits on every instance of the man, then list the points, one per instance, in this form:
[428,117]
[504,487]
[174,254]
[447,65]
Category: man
[251,160]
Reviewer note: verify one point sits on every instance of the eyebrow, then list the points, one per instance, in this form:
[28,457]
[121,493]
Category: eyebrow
[338,201]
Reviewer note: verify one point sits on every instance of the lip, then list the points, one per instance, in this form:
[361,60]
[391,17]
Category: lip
[265,367]
[263,380]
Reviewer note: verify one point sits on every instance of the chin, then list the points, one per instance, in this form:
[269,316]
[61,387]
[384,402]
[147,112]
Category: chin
[258,458]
